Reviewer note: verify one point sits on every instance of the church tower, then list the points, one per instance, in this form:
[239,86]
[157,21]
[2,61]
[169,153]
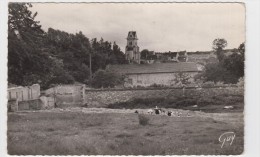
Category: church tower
[132,50]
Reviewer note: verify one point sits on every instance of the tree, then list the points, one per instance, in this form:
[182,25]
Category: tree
[229,69]
[26,54]
[144,54]
[118,55]
[73,50]
[235,62]
[105,79]
[182,79]
[55,56]
[217,73]
[218,47]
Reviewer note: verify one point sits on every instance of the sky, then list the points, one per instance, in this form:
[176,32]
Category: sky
[160,27]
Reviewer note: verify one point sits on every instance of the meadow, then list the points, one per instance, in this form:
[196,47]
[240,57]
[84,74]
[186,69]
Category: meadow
[78,133]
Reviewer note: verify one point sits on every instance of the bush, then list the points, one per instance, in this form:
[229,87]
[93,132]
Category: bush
[106,79]
[216,72]
[208,84]
[157,85]
[143,120]
[186,102]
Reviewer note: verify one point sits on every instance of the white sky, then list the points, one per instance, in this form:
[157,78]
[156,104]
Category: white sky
[159,26]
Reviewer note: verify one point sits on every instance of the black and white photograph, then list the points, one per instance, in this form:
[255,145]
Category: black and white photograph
[126,78]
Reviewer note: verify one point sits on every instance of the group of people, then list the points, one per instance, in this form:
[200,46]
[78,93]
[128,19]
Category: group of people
[158,111]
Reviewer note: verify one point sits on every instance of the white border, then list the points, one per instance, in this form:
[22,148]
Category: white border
[252,91]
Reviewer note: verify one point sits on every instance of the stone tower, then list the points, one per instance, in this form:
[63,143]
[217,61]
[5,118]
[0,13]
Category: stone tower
[132,50]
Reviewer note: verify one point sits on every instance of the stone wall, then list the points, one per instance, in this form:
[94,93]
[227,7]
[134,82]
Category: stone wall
[67,95]
[12,105]
[47,102]
[146,80]
[24,93]
[101,98]
[30,105]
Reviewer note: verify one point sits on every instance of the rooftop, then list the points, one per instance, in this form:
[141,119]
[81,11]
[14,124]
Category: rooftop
[154,68]
[132,34]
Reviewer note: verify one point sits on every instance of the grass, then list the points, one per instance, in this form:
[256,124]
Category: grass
[143,120]
[75,133]
[211,104]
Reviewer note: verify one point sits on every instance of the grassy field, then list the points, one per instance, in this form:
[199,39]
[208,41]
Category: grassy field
[77,133]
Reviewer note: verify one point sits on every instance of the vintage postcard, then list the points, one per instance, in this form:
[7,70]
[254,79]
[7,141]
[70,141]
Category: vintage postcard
[126,78]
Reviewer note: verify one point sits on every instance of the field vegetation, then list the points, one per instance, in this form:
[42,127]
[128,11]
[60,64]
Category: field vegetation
[75,133]
[195,103]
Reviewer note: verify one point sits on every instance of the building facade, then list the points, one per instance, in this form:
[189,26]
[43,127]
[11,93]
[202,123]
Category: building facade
[165,74]
[132,49]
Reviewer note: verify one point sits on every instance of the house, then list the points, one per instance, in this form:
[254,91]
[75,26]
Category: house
[182,57]
[172,56]
[150,74]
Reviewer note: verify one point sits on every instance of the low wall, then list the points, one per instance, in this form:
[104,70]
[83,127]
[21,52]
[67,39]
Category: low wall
[30,105]
[47,102]
[12,105]
[24,93]
[101,98]
[67,95]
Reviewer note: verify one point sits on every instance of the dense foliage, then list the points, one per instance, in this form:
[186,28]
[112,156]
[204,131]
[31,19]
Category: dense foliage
[148,55]
[229,69]
[105,79]
[58,57]
[52,57]
[218,47]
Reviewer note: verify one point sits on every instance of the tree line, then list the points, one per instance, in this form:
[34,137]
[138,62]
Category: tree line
[58,57]
[229,68]
[55,56]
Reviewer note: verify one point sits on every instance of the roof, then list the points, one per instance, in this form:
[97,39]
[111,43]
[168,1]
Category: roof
[132,34]
[182,53]
[171,54]
[154,68]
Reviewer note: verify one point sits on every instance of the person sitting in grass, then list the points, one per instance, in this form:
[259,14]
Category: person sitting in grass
[157,110]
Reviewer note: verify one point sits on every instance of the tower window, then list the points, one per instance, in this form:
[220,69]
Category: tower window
[130,43]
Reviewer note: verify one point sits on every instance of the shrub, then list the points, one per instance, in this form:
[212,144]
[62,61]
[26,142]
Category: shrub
[106,79]
[143,120]
[216,72]
[157,85]
[208,84]
[186,102]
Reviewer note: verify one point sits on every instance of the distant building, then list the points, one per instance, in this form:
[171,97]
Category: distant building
[182,57]
[150,74]
[132,50]
[172,56]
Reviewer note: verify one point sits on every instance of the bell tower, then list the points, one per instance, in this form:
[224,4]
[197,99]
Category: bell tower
[132,49]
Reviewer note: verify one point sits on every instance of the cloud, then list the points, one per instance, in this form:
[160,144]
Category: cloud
[159,26]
